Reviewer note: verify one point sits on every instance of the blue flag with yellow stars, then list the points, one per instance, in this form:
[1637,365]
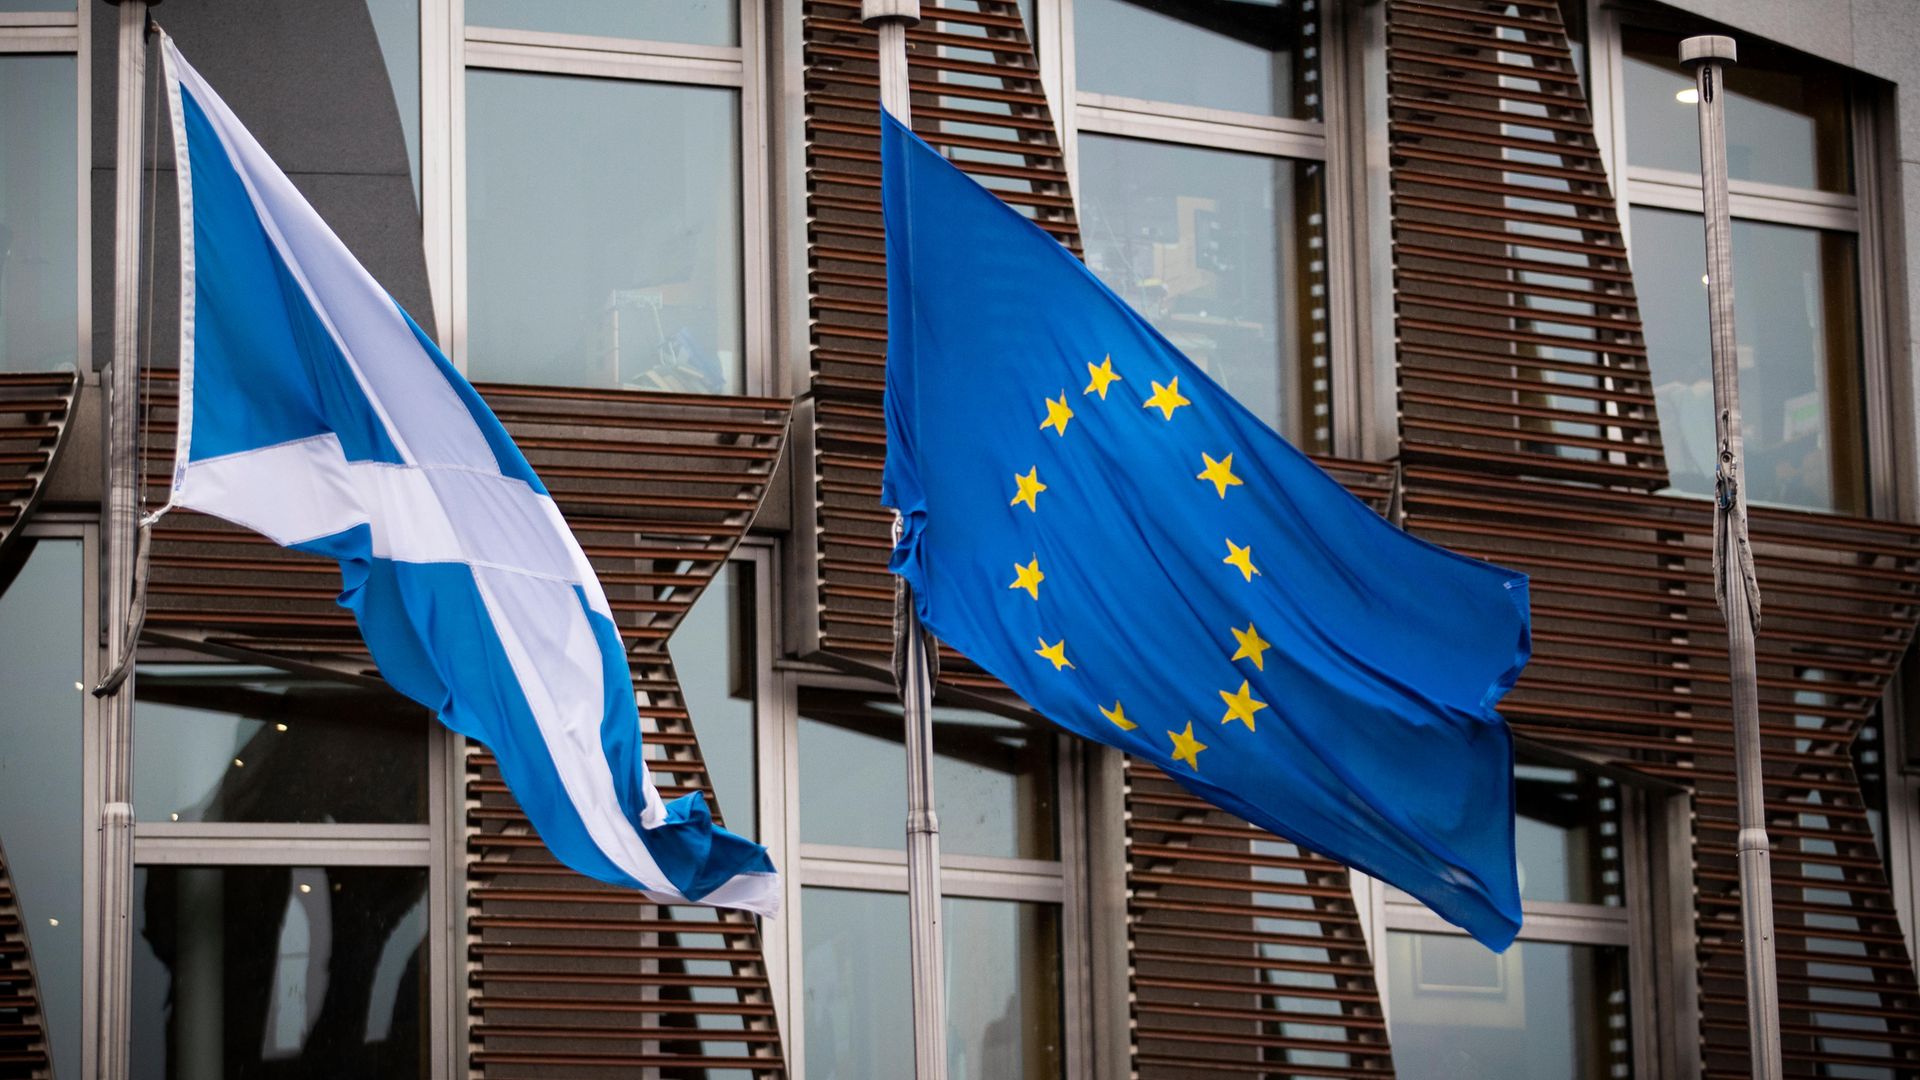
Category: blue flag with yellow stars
[1093,520]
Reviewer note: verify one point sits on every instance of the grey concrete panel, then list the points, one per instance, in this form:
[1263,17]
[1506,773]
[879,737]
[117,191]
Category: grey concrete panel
[1886,43]
[1823,28]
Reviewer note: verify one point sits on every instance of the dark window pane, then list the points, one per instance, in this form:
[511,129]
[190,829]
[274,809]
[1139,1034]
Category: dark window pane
[397,24]
[603,233]
[1786,116]
[1224,254]
[1250,56]
[1567,835]
[41,699]
[214,743]
[39,214]
[713,655]
[993,778]
[1003,986]
[1796,317]
[279,971]
[693,22]
[1539,1011]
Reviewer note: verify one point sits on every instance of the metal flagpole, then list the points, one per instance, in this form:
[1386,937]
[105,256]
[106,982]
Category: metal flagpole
[890,20]
[1733,576]
[117,567]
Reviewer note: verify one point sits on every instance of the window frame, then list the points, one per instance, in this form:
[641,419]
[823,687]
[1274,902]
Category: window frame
[1337,141]
[66,33]
[1883,416]
[432,845]
[450,49]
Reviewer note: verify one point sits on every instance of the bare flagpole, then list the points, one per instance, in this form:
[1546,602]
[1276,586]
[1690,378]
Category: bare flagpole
[1733,577]
[914,669]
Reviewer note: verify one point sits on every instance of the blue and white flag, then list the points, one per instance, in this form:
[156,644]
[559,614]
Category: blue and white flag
[315,412]
[1092,519]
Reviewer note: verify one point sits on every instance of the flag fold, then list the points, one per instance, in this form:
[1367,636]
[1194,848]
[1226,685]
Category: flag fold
[315,412]
[1094,521]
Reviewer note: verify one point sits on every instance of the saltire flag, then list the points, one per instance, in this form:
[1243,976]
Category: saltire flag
[314,411]
[1094,521]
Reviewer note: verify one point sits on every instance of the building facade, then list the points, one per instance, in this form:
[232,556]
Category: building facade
[1450,247]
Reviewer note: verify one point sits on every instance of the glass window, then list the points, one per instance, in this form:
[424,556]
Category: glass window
[1567,836]
[396,23]
[1797,325]
[603,232]
[993,778]
[1251,56]
[279,971]
[693,22]
[713,656]
[1003,980]
[1786,116]
[41,709]
[1539,1011]
[1224,254]
[236,744]
[39,213]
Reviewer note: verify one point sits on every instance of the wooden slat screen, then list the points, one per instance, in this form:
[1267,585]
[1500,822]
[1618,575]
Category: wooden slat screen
[34,410]
[566,976]
[1520,349]
[24,1053]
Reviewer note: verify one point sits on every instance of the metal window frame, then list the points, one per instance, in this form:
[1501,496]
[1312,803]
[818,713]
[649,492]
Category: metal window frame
[60,33]
[451,48]
[1354,404]
[430,845]
[1061,883]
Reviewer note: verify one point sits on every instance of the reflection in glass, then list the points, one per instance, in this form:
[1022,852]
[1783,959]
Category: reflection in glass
[603,233]
[1796,322]
[39,214]
[993,778]
[1787,117]
[397,25]
[1003,986]
[41,709]
[1539,1011]
[1250,56]
[713,655]
[1224,254]
[222,743]
[1567,836]
[279,971]
[689,22]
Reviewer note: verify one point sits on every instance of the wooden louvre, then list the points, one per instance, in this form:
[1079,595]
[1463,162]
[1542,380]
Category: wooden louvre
[35,410]
[24,1052]
[1529,438]
[565,976]
[1520,348]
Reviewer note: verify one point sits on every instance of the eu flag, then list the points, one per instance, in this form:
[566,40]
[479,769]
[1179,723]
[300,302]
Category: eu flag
[1094,521]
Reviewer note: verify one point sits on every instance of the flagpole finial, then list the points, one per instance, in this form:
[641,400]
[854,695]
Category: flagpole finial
[1707,47]
[877,12]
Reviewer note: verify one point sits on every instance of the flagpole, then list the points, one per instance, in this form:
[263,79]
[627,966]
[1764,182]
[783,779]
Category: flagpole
[890,20]
[121,499]
[1733,574]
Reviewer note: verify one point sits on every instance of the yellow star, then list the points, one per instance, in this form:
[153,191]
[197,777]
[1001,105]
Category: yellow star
[1028,577]
[1057,415]
[1103,377]
[1220,472]
[1187,748]
[1241,558]
[1119,717]
[1030,486]
[1166,398]
[1251,647]
[1056,652]
[1241,706]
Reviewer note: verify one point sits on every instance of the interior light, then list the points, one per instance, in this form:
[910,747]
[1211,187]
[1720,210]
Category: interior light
[175,817]
[306,888]
[237,763]
[279,727]
[1703,279]
[53,922]
[1689,96]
